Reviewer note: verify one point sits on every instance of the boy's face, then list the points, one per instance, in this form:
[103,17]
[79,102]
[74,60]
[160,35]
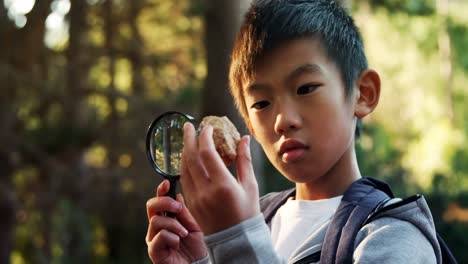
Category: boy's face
[299,112]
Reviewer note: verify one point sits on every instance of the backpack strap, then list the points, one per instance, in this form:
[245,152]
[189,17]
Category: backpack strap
[447,255]
[358,202]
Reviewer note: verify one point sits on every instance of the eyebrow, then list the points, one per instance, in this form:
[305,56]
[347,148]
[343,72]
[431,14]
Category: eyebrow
[255,87]
[302,69]
[305,68]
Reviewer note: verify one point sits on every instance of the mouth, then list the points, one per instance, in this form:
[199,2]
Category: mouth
[292,150]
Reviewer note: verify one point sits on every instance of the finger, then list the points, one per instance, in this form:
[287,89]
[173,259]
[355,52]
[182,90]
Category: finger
[160,205]
[161,242]
[165,239]
[155,255]
[210,157]
[150,233]
[245,171]
[197,173]
[163,188]
[170,224]
[185,177]
[186,218]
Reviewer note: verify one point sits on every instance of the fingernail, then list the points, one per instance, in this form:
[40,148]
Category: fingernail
[180,198]
[248,140]
[183,233]
[176,206]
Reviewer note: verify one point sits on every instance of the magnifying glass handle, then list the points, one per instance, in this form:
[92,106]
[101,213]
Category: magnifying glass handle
[172,189]
[171,193]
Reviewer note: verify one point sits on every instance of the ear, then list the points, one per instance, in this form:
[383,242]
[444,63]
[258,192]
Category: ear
[367,93]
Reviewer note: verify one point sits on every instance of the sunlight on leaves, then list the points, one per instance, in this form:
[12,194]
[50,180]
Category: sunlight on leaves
[17,10]
[125,160]
[100,241]
[96,156]
[127,185]
[24,177]
[17,258]
[121,105]
[432,152]
[123,76]
[99,74]
[101,104]
[413,105]
[57,250]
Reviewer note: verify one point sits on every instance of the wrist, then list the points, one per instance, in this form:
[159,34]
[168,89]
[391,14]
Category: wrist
[235,230]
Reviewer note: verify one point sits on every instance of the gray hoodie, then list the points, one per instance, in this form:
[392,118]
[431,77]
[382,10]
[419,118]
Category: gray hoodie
[404,234]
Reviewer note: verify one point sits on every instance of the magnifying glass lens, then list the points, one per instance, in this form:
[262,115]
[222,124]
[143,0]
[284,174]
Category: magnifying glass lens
[166,143]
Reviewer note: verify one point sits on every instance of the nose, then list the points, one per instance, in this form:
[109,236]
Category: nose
[288,119]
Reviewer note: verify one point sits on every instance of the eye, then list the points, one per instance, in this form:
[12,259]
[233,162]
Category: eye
[260,105]
[307,88]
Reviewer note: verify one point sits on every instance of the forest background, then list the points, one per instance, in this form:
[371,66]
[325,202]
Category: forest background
[82,79]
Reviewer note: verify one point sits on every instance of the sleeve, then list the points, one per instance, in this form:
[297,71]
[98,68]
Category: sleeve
[389,240]
[205,260]
[247,242]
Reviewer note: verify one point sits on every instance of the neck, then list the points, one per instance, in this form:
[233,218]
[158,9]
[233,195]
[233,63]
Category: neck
[334,182]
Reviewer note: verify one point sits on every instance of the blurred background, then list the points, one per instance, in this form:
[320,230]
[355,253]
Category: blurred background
[82,79]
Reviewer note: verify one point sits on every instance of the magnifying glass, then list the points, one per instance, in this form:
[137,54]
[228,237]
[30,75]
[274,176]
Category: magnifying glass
[164,145]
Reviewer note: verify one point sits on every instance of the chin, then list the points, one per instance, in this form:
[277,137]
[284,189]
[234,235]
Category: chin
[300,176]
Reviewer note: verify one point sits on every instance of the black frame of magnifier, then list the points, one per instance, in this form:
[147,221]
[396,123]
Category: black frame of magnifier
[149,135]
[171,177]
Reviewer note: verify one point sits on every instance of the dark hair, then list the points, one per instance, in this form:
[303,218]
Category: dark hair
[270,23]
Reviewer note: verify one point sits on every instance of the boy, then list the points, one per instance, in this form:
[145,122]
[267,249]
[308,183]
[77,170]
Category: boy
[300,79]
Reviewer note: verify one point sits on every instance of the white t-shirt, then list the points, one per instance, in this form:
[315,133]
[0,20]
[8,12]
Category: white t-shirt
[296,220]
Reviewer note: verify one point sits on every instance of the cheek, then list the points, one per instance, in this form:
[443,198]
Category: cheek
[258,129]
[248,123]
[262,131]
[336,130]
[331,119]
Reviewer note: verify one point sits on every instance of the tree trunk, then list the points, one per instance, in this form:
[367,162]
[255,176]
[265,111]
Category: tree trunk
[111,127]
[77,71]
[112,122]
[222,22]
[76,66]
[7,210]
[21,53]
[136,46]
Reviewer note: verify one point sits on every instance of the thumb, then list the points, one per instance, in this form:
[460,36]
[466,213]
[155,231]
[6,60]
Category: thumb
[245,172]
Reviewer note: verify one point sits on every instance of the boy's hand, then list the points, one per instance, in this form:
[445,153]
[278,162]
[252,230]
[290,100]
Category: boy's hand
[215,198]
[172,240]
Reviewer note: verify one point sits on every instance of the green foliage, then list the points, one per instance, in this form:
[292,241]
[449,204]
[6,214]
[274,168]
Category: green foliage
[79,116]
[72,237]
[459,36]
[378,157]
[411,7]
[452,232]
[189,96]
[459,160]
[53,140]
[197,8]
